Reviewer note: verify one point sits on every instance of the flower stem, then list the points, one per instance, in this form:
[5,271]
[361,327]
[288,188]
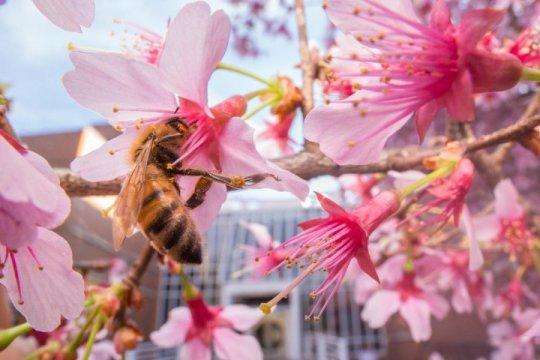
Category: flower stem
[254,94]
[92,337]
[441,172]
[76,342]
[530,74]
[189,291]
[245,72]
[7,336]
[260,107]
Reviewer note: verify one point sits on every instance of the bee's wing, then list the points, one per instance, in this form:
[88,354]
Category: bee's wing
[130,198]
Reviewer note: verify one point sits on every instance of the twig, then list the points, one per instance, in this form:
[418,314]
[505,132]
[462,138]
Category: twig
[305,56]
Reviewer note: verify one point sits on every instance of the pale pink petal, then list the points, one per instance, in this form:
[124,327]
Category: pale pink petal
[439,18]
[507,201]
[190,56]
[242,317]
[417,315]
[364,286]
[62,296]
[499,331]
[349,138]
[380,307]
[119,88]
[232,346]
[43,166]
[459,99]
[476,259]
[261,234]
[341,13]
[238,156]
[102,350]
[69,15]
[474,25]
[32,196]
[108,162]
[438,305]
[486,227]
[391,271]
[533,332]
[424,116]
[461,301]
[195,349]
[173,332]
[204,214]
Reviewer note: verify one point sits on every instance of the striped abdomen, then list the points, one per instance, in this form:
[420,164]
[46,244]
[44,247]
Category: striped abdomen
[165,220]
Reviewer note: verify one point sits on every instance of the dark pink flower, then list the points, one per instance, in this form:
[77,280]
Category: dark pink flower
[277,132]
[198,326]
[263,257]
[526,47]
[331,243]
[513,296]
[70,15]
[133,94]
[31,203]
[404,67]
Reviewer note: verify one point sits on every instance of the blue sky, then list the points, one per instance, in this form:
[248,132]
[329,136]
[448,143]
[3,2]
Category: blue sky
[34,56]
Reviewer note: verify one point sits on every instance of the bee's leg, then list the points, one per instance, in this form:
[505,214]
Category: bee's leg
[235,182]
[201,188]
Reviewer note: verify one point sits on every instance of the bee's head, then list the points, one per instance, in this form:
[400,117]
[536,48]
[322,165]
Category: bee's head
[179,125]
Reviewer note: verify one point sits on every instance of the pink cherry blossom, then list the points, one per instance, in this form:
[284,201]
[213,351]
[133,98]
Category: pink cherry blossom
[507,227]
[141,43]
[263,257]
[70,15]
[331,243]
[526,47]
[402,291]
[135,94]
[514,295]
[507,336]
[31,203]
[102,350]
[198,326]
[277,133]
[362,186]
[404,67]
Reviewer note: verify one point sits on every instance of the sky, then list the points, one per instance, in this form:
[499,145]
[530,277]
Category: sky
[34,55]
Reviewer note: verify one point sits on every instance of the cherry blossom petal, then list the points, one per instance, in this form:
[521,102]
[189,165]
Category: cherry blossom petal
[190,57]
[32,196]
[486,227]
[533,332]
[108,162]
[63,295]
[204,214]
[380,307]
[416,313]
[242,317]
[261,234]
[342,14]
[349,139]
[330,206]
[507,201]
[232,346]
[438,305]
[391,271]
[461,300]
[238,156]
[118,87]
[366,264]
[499,331]
[476,259]
[195,349]
[439,18]
[424,116]
[69,15]
[173,332]
[460,100]
[364,286]
[474,25]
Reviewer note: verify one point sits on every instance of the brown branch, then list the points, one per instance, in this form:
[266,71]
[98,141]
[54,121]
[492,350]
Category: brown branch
[307,66]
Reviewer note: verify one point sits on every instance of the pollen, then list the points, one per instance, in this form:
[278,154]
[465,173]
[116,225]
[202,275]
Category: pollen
[237,182]
[352,143]
[357,10]
[265,308]
[111,152]
[364,70]
[115,109]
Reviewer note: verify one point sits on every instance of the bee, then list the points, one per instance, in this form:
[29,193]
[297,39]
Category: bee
[150,197]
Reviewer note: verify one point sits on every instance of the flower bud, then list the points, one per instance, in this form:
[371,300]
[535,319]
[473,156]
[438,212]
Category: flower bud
[292,97]
[126,338]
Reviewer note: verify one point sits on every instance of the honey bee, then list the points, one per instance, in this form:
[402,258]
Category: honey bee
[150,197]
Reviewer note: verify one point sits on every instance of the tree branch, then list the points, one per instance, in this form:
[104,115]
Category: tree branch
[308,165]
[305,56]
